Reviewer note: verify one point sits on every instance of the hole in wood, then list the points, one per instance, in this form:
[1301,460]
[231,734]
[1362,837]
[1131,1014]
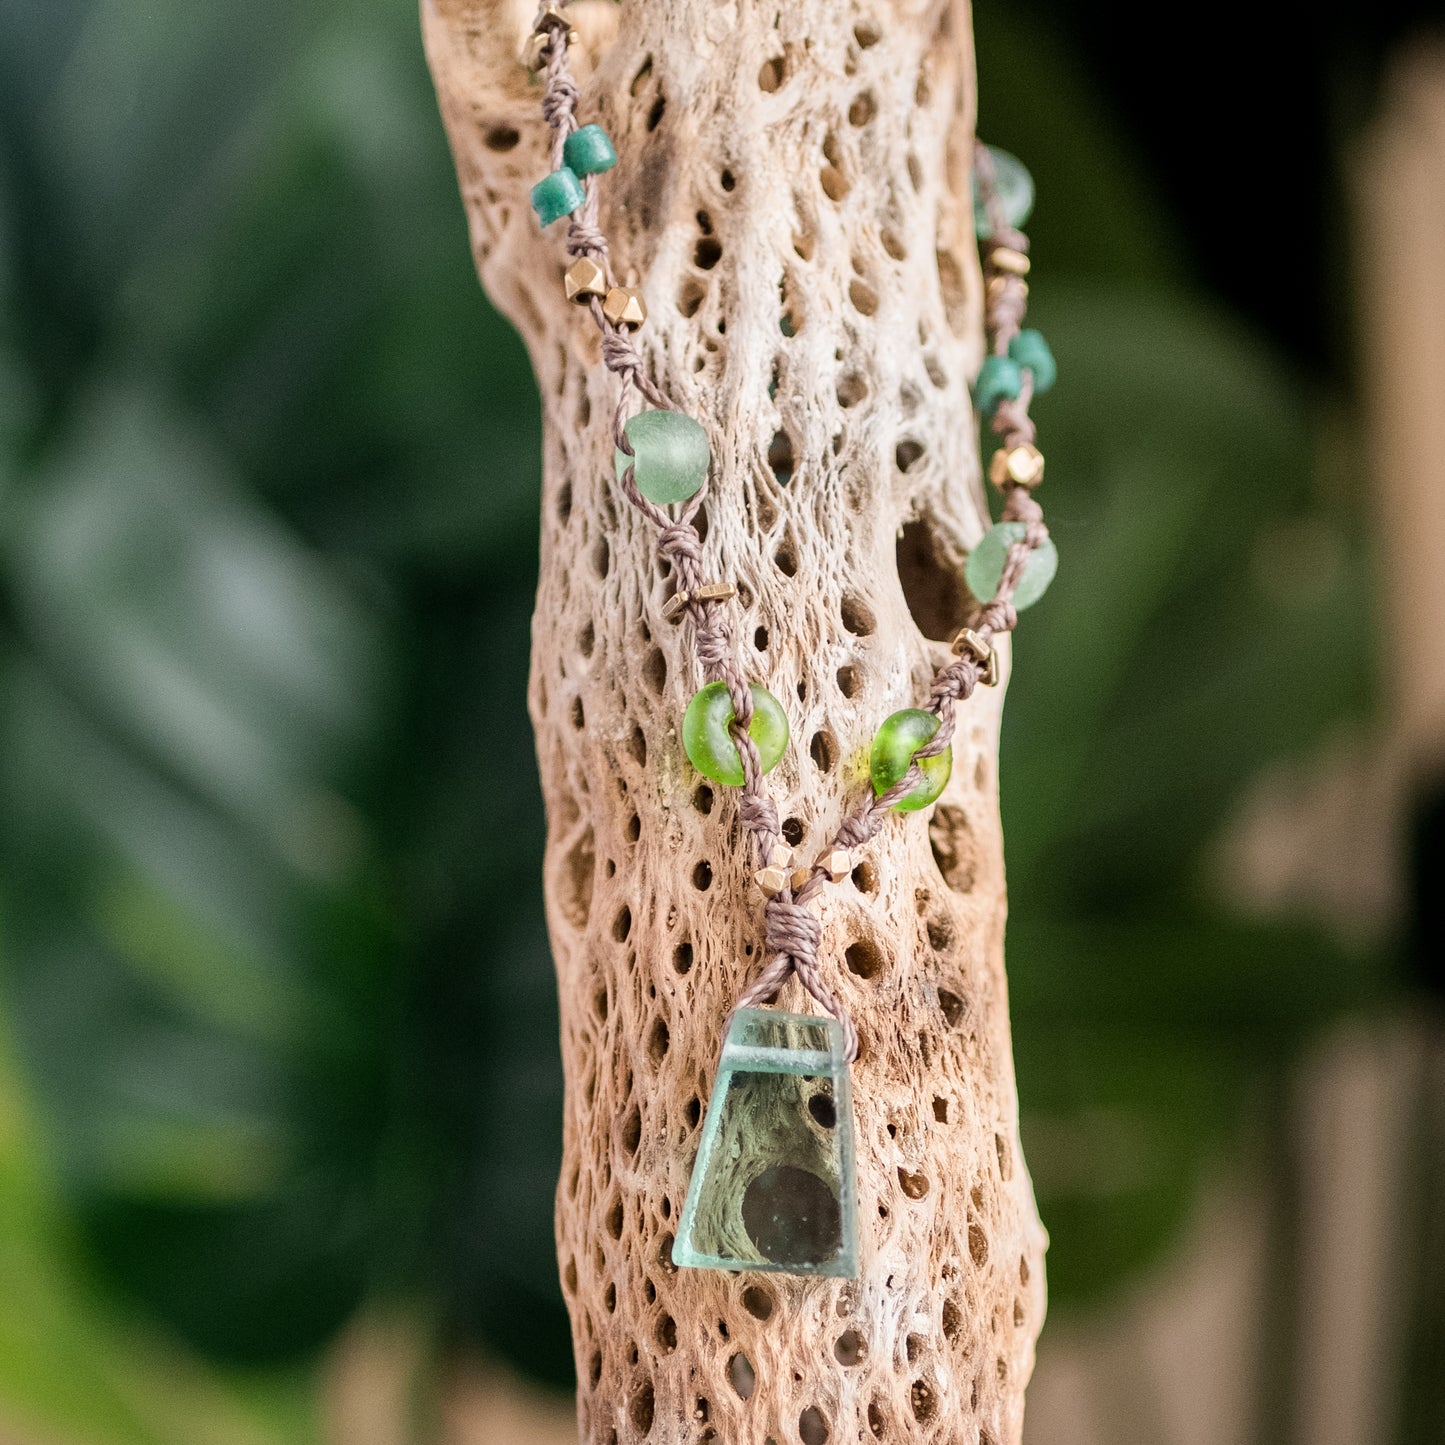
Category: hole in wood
[848,1348]
[702,799]
[833,182]
[952,1007]
[702,876]
[780,457]
[952,1320]
[682,958]
[758,1302]
[867,34]
[977,1244]
[915,1186]
[865,878]
[641,1409]
[933,587]
[857,616]
[786,560]
[772,74]
[741,1376]
[923,1401]
[863,297]
[690,295]
[658,1042]
[760,639]
[906,453]
[864,958]
[792,830]
[863,108]
[707,253]
[654,116]
[852,388]
[727,180]
[823,751]
[893,244]
[940,1109]
[812,1427]
[622,924]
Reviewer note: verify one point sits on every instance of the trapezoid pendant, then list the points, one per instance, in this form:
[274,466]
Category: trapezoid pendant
[773,1188]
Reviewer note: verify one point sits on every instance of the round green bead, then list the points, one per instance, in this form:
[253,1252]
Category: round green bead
[557,195]
[1015,188]
[998,377]
[707,732]
[986,563]
[670,456]
[892,753]
[1030,350]
[589,151]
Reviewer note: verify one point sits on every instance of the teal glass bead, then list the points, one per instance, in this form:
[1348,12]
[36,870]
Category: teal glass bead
[998,377]
[1015,188]
[670,455]
[986,563]
[708,740]
[1030,350]
[774,1186]
[893,748]
[589,151]
[557,195]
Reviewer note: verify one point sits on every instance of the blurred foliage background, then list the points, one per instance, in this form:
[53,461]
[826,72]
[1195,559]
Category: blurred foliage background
[270,832]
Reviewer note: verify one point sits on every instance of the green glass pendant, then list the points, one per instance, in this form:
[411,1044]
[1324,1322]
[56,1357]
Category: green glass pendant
[773,1188]
[892,752]
[707,733]
[671,455]
[557,195]
[986,563]
[1015,188]
[589,151]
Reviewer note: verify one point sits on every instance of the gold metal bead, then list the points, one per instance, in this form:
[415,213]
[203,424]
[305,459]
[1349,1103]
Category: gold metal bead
[624,306]
[552,18]
[969,643]
[837,864]
[999,286]
[800,877]
[774,878]
[988,674]
[1005,258]
[1021,464]
[584,280]
[673,608]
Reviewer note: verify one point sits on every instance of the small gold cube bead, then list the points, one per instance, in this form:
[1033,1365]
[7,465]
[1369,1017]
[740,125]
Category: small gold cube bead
[1023,464]
[676,605]
[837,864]
[800,877]
[1005,258]
[969,643]
[624,306]
[988,674]
[780,857]
[584,280]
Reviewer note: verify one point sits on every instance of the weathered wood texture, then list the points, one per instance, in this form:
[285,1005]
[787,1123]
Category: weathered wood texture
[793,199]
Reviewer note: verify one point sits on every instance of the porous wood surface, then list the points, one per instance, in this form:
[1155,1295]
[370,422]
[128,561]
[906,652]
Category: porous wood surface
[792,197]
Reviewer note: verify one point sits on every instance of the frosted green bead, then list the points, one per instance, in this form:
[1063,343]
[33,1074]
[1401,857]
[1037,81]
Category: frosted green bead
[589,151]
[1015,188]
[557,195]
[986,563]
[774,1187]
[893,748]
[998,377]
[708,740]
[1030,349]
[670,455]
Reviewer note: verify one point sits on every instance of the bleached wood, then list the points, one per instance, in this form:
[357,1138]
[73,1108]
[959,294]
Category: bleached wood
[791,168]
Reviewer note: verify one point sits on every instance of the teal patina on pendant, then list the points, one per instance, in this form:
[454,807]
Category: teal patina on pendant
[773,1188]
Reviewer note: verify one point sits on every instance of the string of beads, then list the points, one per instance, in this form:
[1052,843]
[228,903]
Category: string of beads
[735,731]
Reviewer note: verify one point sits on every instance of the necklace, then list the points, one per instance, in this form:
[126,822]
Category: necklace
[773,1185]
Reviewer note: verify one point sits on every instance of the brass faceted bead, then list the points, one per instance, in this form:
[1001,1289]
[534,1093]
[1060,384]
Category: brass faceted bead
[774,878]
[837,864]
[1005,258]
[534,52]
[624,306]
[1023,465]
[800,877]
[584,280]
[968,643]
[999,286]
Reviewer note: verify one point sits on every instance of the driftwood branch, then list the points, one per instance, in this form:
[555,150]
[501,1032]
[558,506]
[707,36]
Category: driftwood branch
[793,200]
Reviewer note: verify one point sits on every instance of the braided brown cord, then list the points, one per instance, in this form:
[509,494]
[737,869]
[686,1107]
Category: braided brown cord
[792,932]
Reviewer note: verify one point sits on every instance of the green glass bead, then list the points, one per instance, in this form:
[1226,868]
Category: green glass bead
[998,377]
[589,151]
[557,195]
[708,740]
[1030,350]
[986,563]
[670,455]
[893,748]
[774,1187]
[1015,188]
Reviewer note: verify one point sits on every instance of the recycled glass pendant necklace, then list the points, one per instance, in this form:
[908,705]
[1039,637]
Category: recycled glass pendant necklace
[773,1187]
